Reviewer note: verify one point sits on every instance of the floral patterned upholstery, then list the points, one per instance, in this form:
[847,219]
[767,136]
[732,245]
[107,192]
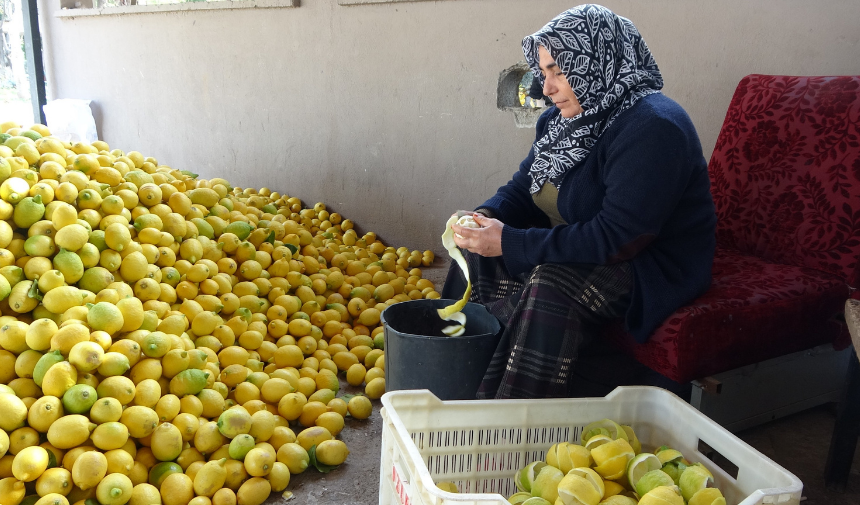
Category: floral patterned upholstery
[785,175]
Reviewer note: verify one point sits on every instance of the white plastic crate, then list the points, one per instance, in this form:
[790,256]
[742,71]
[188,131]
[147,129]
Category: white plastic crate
[479,445]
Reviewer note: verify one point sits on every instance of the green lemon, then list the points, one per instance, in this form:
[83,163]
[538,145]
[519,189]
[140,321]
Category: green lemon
[79,399]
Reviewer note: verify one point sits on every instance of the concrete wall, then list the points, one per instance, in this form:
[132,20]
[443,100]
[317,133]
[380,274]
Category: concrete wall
[387,112]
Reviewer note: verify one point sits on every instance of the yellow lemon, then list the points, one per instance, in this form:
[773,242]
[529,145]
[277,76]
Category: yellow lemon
[30,463]
[177,489]
[332,452]
[89,469]
[54,480]
[59,378]
[254,491]
[70,431]
[110,436]
[114,489]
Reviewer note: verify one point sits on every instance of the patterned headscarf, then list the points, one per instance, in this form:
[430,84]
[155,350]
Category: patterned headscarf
[609,67]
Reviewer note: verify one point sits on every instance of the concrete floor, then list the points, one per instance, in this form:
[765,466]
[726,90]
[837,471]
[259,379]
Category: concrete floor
[799,443]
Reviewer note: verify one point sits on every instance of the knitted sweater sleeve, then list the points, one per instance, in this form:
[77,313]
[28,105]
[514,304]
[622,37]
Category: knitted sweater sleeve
[645,171]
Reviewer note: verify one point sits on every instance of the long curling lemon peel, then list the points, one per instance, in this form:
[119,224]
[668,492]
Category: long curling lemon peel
[456,255]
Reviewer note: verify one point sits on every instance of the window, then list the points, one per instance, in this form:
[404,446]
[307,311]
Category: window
[75,8]
[513,95]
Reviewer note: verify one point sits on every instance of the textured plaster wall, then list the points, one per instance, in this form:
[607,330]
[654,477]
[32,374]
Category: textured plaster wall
[387,112]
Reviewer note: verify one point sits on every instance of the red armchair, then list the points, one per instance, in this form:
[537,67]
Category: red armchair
[785,175]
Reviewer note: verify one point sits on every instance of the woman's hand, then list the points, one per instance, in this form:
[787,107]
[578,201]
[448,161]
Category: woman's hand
[486,240]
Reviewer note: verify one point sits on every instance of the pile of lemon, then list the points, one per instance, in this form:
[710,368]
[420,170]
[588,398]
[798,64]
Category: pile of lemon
[608,467]
[166,339]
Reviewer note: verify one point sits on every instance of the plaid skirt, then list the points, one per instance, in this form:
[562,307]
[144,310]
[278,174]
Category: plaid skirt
[548,315]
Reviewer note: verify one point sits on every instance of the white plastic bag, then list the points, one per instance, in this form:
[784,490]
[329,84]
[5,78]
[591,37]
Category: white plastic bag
[71,120]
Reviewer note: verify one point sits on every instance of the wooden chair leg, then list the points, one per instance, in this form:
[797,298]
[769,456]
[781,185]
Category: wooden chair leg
[845,432]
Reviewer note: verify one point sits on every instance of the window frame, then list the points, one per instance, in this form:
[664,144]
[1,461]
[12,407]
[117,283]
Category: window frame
[175,7]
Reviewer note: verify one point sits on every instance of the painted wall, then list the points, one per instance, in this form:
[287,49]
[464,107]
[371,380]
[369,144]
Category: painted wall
[387,112]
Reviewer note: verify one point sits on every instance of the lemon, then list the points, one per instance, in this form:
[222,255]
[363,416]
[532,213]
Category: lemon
[119,387]
[312,436]
[262,425]
[145,494]
[254,491]
[86,356]
[177,489]
[258,462]
[114,489]
[14,189]
[132,313]
[79,399]
[120,461]
[234,422]
[156,344]
[45,362]
[332,452]
[14,412]
[50,280]
[11,491]
[70,265]
[89,469]
[19,299]
[375,388]
[71,237]
[114,363]
[43,413]
[360,407]
[240,445]
[105,317]
[210,478]
[61,299]
[208,438]
[54,480]
[70,431]
[166,442]
[59,378]
[110,436]
[140,421]
[30,463]
[188,382]
[95,279]
[28,211]
[279,477]
[148,393]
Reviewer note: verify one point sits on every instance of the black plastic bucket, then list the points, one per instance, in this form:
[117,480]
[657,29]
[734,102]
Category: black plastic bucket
[450,367]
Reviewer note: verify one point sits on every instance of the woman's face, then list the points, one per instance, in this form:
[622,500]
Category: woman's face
[555,85]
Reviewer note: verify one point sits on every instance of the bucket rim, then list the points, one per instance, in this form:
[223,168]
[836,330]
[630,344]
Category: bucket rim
[385,323]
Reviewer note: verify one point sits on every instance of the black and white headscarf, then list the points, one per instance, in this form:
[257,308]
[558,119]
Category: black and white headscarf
[609,67]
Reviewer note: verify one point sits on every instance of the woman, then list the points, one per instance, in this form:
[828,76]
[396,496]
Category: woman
[610,215]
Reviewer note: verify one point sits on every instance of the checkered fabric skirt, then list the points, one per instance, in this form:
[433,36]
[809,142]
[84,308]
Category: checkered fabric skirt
[548,315]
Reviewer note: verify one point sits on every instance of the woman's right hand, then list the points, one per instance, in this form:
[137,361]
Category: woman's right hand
[485,240]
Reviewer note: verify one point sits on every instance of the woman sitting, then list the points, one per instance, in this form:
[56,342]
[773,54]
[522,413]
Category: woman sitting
[610,215]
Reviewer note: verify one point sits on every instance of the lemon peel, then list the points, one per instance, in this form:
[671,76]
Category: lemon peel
[577,489]
[663,495]
[707,496]
[640,465]
[618,500]
[448,242]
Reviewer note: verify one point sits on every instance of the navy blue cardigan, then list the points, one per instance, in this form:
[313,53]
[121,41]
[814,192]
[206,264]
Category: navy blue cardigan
[643,196]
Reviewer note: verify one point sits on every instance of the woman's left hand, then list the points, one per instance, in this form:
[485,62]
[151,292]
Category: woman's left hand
[486,240]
